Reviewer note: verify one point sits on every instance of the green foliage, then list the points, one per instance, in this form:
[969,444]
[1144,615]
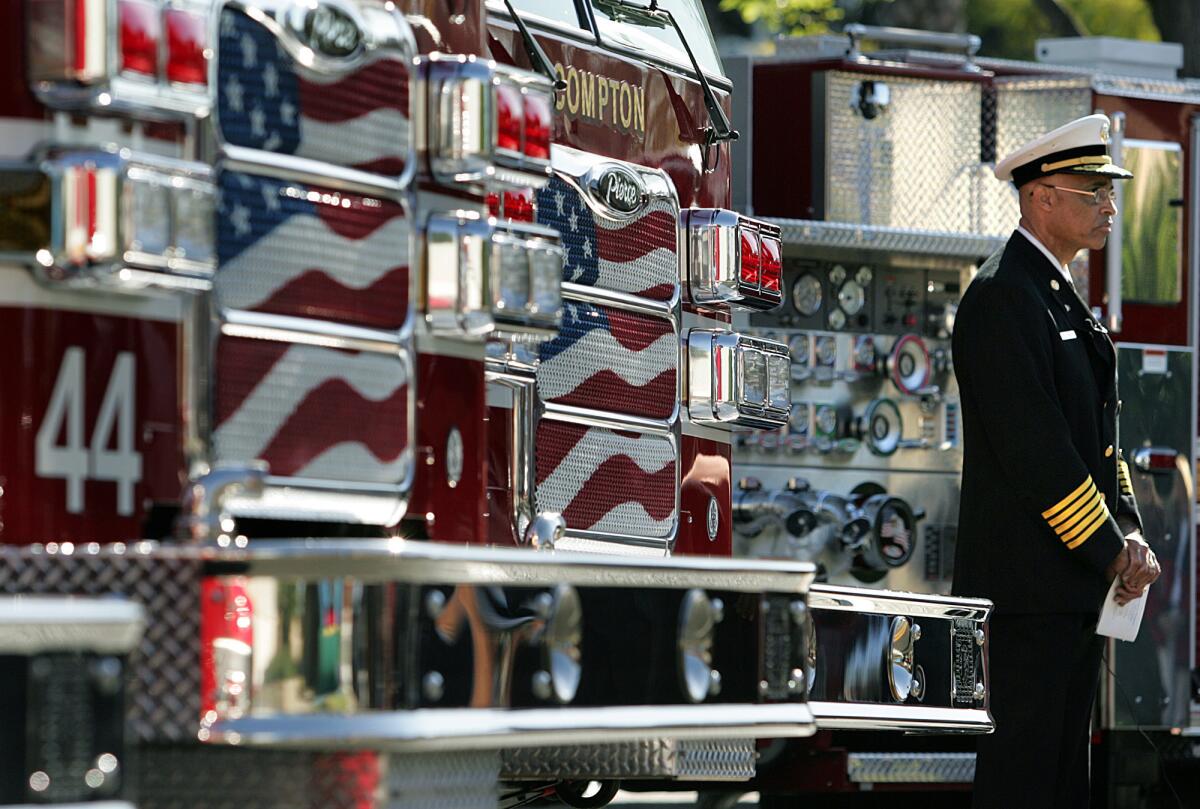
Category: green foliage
[1010,28]
[1150,249]
[796,17]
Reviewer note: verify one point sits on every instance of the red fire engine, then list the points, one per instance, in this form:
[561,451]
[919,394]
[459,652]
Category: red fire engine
[368,432]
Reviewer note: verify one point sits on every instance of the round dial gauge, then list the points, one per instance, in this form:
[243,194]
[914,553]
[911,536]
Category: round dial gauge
[851,297]
[864,275]
[798,421]
[837,274]
[799,347]
[826,420]
[826,350]
[837,319]
[806,294]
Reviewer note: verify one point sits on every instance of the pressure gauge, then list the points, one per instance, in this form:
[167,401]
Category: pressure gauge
[798,421]
[800,347]
[864,275]
[851,297]
[826,350]
[826,420]
[837,319]
[806,294]
[837,274]
[864,354]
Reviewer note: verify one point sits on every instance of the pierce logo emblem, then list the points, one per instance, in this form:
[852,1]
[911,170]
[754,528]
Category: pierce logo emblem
[620,190]
[328,30]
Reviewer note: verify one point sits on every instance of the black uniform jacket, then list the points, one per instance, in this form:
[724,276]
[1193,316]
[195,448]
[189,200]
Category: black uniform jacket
[1043,480]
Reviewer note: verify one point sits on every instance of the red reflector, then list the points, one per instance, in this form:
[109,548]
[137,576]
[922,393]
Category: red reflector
[509,114]
[1162,460]
[772,264]
[186,40]
[226,638]
[140,32]
[518,205]
[751,263]
[493,204]
[537,126]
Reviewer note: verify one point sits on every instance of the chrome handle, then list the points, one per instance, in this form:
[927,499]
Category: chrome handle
[1112,255]
[967,43]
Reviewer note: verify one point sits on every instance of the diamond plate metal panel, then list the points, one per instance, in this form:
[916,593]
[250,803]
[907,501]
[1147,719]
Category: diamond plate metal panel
[196,776]
[164,691]
[911,768]
[653,758]
[811,233]
[913,165]
[1025,109]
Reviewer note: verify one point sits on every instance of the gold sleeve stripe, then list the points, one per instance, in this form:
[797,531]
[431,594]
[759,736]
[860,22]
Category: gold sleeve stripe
[1066,501]
[1123,477]
[1073,510]
[1097,508]
[1089,530]
[1083,517]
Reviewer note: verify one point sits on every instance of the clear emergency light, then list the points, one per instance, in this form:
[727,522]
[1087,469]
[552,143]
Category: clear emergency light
[736,380]
[732,259]
[485,277]
[142,56]
[485,123]
[117,218]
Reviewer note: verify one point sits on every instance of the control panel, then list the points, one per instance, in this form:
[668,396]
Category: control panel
[875,420]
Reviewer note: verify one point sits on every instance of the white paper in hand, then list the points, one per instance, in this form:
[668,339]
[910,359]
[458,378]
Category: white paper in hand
[1121,622]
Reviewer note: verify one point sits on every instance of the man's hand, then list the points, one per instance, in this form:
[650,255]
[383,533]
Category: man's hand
[1137,567]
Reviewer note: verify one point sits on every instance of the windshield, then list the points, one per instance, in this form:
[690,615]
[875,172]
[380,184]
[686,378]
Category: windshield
[657,38]
[560,11]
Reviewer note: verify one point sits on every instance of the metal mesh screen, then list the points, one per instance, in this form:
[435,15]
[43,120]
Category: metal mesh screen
[358,119]
[163,696]
[605,480]
[287,404]
[608,359]
[293,249]
[725,759]
[1025,109]
[914,164]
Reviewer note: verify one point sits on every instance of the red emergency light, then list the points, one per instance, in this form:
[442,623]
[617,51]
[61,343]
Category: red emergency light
[187,47]
[140,30]
[733,259]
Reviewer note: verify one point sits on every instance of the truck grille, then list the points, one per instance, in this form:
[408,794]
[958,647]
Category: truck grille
[357,118]
[608,359]
[287,404]
[638,256]
[607,481]
[298,249]
[606,448]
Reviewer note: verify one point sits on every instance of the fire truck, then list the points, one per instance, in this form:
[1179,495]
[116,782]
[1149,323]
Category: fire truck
[872,152]
[369,430]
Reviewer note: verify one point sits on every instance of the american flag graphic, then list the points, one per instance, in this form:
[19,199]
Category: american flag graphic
[607,481]
[608,359]
[301,250]
[264,101]
[288,404]
[638,256]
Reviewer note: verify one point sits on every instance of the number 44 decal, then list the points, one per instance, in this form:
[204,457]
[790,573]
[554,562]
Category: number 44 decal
[64,417]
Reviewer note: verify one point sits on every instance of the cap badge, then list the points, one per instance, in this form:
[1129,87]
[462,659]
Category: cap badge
[1104,132]
[1054,284]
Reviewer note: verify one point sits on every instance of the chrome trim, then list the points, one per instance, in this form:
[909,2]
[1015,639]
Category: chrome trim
[716,380]
[1112,255]
[202,516]
[285,328]
[591,181]
[816,233]
[866,716]
[35,624]
[623,300]
[302,169]
[418,561]
[712,258]
[888,602]
[609,420]
[385,33]
[460,729]
[856,32]
[522,427]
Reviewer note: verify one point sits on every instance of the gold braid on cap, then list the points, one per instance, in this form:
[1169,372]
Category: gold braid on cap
[1095,160]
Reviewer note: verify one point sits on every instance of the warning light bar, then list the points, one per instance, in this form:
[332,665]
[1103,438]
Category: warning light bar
[736,380]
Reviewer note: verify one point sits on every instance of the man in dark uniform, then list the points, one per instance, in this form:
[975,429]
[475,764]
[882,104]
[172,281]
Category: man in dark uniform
[1047,517]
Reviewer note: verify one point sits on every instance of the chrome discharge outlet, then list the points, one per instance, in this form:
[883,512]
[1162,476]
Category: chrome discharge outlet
[202,516]
[547,528]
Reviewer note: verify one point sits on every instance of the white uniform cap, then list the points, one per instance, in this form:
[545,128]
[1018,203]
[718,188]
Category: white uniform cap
[1080,147]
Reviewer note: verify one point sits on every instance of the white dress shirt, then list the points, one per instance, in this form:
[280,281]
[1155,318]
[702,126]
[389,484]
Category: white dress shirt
[1062,268]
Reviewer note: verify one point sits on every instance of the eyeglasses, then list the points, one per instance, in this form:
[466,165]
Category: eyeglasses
[1099,196]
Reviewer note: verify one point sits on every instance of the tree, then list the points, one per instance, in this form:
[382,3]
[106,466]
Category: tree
[1181,23]
[793,17]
